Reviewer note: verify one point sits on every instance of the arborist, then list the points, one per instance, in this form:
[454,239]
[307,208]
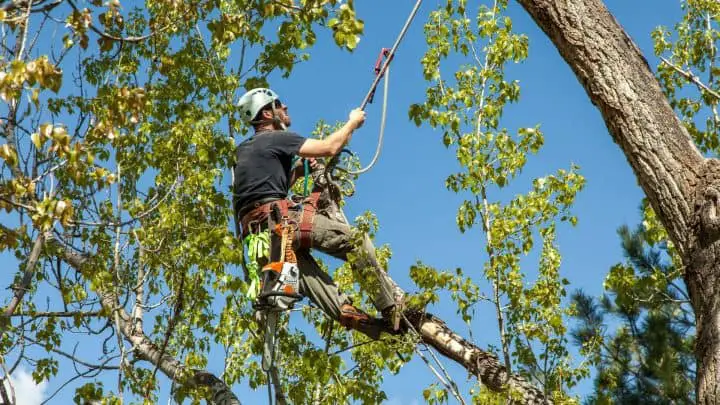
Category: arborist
[263,175]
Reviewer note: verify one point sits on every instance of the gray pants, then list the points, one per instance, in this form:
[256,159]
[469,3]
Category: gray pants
[334,238]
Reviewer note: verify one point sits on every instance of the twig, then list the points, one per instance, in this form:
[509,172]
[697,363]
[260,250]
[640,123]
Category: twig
[48,171]
[692,77]
[159,303]
[90,366]
[89,372]
[133,219]
[355,346]
[59,314]
[179,303]
[449,384]
[286,6]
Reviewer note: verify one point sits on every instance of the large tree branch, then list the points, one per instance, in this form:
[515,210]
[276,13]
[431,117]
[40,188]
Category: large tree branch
[145,348]
[619,82]
[484,365]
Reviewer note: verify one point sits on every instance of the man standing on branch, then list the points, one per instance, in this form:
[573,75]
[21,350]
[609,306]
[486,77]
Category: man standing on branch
[264,173]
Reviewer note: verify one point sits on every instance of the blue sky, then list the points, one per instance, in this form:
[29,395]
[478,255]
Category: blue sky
[406,187]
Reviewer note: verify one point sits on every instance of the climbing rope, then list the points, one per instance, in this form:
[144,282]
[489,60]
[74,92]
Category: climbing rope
[383,71]
[383,117]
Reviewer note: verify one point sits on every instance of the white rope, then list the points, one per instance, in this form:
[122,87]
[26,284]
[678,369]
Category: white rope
[382,128]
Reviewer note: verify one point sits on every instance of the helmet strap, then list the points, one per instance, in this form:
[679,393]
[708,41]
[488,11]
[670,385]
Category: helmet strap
[275,119]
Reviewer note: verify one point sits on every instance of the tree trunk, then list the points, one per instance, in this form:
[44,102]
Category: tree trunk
[682,186]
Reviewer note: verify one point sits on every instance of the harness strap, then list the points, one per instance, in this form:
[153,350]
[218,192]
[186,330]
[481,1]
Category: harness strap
[308,217]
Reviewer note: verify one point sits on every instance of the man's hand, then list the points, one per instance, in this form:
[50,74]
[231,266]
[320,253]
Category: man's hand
[313,163]
[333,144]
[357,117]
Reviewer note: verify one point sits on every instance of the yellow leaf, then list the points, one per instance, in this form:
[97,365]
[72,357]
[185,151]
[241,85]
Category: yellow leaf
[36,140]
[35,97]
[46,130]
[7,152]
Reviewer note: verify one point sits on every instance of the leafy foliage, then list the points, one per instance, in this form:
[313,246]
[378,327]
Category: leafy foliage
[467,106]
[689,74]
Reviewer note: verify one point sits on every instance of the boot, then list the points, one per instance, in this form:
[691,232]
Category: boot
[394,313]
[353,318]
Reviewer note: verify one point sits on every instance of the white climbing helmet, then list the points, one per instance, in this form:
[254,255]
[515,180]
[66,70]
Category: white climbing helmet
[255,100]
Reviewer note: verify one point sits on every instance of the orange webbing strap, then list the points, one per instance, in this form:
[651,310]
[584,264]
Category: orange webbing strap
[286,232]
[289,235]
[306,223]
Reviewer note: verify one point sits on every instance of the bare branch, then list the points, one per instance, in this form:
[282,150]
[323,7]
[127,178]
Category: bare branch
[60,314]
[86,373]
[146,349]
[102,366]
[112,37]
[26,280]
[49,170]
[692,77]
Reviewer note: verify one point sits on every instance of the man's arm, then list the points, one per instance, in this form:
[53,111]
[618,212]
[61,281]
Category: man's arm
[333,144]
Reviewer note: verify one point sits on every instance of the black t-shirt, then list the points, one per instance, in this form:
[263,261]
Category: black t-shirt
[263,165]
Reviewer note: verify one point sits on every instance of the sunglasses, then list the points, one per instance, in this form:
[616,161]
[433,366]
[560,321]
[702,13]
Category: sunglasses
[279,105]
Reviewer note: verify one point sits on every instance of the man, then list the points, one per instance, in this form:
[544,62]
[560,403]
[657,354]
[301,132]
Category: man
[263,175]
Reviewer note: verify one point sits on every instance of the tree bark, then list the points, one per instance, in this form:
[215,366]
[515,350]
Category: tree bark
[681,185]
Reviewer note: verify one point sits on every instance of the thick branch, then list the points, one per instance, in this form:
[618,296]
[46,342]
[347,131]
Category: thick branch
[478,362]
[145,348]
[619,82]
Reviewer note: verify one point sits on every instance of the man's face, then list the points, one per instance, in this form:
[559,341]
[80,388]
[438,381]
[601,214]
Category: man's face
[282,113]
